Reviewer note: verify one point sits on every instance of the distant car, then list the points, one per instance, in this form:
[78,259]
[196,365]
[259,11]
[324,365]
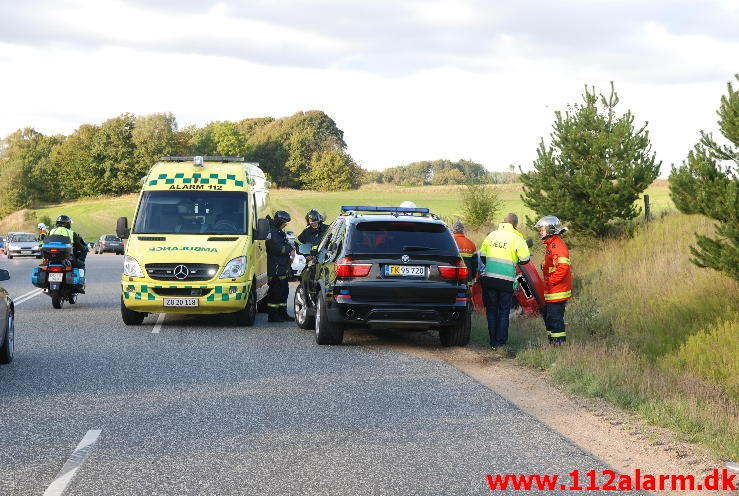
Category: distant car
[7,324]
[2,245]
[109,242]
[23,245]
[385,267]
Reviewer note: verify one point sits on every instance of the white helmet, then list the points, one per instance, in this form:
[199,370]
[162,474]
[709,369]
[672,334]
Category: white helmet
[408,204]
[551,225]
[42,226]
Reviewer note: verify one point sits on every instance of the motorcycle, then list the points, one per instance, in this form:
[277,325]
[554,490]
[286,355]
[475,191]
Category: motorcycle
[56,275]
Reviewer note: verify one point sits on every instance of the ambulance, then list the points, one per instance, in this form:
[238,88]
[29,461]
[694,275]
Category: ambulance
[196,243]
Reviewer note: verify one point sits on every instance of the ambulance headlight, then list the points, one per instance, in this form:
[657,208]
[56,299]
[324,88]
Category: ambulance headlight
[234,268]
[131,267]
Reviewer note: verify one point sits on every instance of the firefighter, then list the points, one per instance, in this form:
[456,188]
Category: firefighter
[315,229]
[500,252]
[279,255]
[79,247]
[467,249]
[557,277]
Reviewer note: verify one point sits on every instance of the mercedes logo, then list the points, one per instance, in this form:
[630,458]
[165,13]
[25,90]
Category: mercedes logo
[405,258]
[181,272]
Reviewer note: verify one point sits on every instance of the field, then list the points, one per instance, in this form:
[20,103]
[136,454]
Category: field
[98,216]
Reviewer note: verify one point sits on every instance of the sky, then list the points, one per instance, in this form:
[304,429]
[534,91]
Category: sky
[405,80]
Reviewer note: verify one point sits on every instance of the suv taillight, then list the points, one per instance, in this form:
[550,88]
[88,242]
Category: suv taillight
[458,272]
[347,268]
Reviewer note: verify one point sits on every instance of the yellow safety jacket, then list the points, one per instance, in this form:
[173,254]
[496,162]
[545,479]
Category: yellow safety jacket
[502,250]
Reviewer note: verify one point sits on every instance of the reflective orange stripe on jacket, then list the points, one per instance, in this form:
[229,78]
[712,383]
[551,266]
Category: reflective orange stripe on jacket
[557,271]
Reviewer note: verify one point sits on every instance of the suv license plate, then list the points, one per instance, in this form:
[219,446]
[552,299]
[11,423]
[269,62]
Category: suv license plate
[55,277]
[180,302]
[405,270]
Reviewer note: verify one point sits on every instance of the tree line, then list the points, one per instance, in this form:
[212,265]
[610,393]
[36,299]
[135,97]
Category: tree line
[439,172]
[305,150]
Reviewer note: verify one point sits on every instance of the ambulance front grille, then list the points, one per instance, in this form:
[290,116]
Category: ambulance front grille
[174,272]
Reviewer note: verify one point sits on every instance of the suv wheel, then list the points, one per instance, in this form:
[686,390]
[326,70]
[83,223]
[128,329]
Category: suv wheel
[248,315]
[7,347]
[130,317]
[300,308]
[458,335]
[326,332]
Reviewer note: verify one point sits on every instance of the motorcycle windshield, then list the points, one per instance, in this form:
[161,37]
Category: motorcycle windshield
[192,212]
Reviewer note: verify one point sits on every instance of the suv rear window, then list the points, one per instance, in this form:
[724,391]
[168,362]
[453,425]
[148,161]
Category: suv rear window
[401,237]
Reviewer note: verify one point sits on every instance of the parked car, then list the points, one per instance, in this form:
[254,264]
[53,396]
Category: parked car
[2,245]
[7,324]
[109,242]
[23,245]
[385,267]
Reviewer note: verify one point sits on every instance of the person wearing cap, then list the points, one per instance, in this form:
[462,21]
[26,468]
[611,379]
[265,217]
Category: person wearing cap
[557,277]
[500,252]
[467,249]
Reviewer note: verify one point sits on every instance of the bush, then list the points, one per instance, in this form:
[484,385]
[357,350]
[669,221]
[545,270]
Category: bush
[480,204]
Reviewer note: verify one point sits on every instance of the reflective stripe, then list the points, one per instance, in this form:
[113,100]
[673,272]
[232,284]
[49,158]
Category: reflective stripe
[564,260]
[557,296]
[557,334]
[501,260]
[273,305]
[499,276]
[466,255]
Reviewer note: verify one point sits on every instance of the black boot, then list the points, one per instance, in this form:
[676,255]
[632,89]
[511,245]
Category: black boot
[273,315]
[284,316]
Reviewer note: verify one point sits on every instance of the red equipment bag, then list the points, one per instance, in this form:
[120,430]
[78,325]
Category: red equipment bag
[529,292]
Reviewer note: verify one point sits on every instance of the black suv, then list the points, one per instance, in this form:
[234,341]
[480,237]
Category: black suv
[385,267]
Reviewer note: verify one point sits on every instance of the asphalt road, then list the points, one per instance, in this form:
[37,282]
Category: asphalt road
[203,407]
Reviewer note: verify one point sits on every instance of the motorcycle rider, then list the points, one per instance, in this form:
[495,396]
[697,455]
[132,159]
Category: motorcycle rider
[557,277]
[315,229]
[279,255]
[79,247]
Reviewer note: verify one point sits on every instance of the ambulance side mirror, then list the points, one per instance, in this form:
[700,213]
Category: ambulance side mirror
[260,234]
[529,242]
[121,228]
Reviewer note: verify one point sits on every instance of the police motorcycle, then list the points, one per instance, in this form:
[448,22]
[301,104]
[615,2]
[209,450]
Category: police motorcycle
[56,275]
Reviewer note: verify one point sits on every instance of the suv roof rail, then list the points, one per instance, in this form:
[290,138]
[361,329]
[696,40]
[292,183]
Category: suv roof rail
[197,158]
[354,209]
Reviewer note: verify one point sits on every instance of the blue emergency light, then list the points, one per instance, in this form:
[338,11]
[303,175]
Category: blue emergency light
[399,210]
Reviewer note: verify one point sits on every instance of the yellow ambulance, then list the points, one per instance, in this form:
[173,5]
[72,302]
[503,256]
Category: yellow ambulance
[196,243]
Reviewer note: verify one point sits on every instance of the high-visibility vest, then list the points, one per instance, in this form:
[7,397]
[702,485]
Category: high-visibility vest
[557,271]
[63,231]
[502,250]
[467,251]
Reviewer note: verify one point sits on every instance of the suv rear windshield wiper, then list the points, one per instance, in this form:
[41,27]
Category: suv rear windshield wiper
[418,248]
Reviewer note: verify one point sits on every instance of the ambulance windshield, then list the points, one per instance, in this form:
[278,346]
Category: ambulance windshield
[192,212]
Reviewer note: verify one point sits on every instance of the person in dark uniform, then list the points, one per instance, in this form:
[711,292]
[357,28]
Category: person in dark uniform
[279,255]
[315,229]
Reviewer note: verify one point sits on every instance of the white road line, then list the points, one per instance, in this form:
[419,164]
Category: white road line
[158,325]
[69,470]
[28,296]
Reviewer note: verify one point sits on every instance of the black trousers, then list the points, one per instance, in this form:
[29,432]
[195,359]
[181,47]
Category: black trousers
[279,289]
[554,319]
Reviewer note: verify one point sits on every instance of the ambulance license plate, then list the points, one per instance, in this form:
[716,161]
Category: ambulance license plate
[180,302]
[405,270]
[56,277]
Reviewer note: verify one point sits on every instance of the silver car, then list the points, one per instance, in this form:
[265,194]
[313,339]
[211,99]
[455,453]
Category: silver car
[23,245]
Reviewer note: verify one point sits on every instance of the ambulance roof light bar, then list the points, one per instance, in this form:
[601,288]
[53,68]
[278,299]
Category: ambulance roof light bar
[198,160]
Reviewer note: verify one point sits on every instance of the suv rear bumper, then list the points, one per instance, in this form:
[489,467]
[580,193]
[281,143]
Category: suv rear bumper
[403,315]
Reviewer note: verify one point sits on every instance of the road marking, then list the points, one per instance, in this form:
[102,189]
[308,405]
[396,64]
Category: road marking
[69,470]
[158,325]
[28,296]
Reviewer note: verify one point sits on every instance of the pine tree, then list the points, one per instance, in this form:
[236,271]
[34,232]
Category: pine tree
[595,168]
[706,184]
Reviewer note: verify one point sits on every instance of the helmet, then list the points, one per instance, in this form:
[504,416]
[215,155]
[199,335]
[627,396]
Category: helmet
[458,227]
[408,204]
[313,215]
[550,225]
[42,226]
[281,217]
[64,221]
